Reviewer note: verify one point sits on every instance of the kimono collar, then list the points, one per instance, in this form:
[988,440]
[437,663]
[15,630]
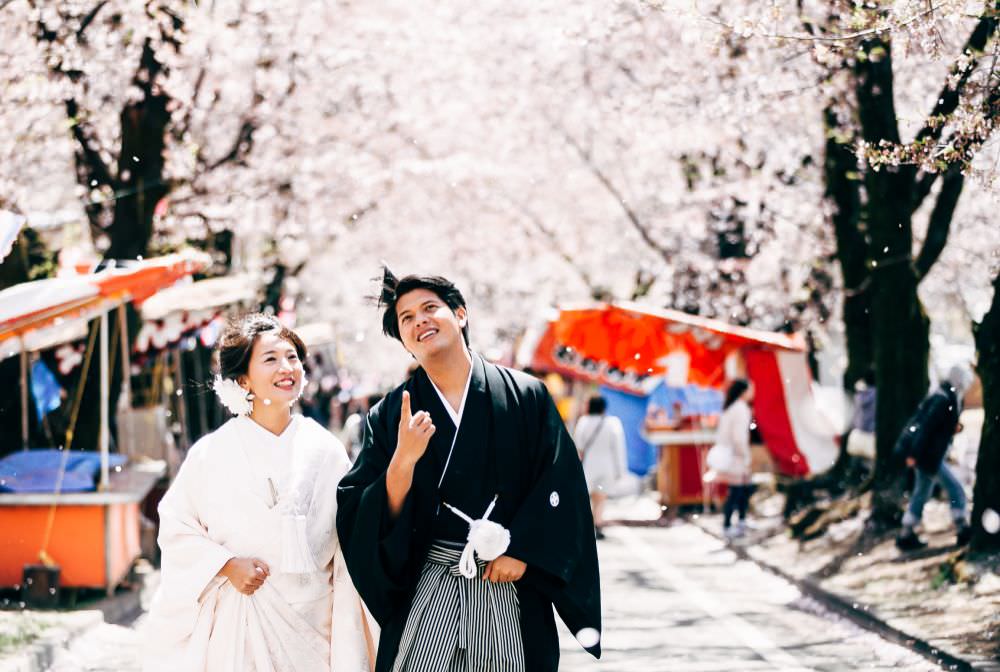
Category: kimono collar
[265,435]
[456,416]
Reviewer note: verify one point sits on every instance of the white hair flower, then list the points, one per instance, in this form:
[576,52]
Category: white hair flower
[232,396]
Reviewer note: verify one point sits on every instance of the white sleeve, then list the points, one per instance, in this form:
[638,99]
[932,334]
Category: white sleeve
[190,560]
[743,416]
[621,447]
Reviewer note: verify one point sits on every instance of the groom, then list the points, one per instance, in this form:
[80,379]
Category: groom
[465,444]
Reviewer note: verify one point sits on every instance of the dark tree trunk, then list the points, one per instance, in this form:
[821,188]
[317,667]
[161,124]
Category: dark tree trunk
[843,189]
[899,325]
[139,185]
[140,166]
[986,494]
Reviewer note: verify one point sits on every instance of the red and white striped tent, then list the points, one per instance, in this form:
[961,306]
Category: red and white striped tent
[633,347]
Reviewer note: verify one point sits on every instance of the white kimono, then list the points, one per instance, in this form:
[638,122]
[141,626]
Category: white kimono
[244,492]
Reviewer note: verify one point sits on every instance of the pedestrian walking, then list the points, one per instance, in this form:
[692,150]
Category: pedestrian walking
[600,439]
[730,456]
[466,519]
[924,443]
[861,435]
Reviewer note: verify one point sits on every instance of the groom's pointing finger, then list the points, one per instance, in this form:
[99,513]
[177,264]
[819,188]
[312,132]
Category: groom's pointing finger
[406,408]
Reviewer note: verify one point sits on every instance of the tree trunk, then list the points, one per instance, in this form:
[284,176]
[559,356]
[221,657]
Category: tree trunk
[139,186]
[140,167]
[986,494]
[843,189]
[899,326]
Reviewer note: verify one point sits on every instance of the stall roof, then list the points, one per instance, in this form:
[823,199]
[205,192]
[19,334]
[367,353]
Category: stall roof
[625,343]
[200,295]
[744,335]
[42,304]
[140,279]
[315,334]
[30,300]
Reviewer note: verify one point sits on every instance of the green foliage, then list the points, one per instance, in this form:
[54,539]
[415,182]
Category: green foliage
[29,259]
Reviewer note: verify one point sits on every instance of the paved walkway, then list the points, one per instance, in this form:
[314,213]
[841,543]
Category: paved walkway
[675,600]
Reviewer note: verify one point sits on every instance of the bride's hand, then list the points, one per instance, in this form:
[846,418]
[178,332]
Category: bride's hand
[246,574]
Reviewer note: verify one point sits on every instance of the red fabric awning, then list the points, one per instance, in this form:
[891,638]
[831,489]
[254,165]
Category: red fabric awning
[35,305]
[622,344]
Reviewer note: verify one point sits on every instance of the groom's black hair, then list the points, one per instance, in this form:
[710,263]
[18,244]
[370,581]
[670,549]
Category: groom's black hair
[393,288]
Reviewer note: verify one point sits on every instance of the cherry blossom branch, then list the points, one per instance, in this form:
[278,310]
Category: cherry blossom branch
[97,169]
[241,147]
[606,182]
[948,98]
[88,19]
[554,241]
[877,31]
[940,221]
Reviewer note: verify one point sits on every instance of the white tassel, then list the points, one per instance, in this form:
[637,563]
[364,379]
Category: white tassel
[486,539]
[467,563]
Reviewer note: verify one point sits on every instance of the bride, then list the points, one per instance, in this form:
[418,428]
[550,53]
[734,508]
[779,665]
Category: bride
[252,575]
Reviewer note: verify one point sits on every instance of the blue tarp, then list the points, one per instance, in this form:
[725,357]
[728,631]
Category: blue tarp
[694,400]
[38,470]
[45,389]
[631,410]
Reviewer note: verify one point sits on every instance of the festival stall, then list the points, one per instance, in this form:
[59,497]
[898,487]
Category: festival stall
[51,509]
[635,351]
[180,326]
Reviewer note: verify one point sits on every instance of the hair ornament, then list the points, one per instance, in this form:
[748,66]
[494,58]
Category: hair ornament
[236,399]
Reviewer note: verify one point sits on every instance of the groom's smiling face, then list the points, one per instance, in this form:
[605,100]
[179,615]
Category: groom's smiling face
[427,326]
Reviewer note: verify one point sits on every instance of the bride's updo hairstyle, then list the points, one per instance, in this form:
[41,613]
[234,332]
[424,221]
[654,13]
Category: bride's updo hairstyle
[238,337]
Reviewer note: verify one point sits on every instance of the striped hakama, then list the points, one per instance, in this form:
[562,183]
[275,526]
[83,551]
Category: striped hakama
[458,624]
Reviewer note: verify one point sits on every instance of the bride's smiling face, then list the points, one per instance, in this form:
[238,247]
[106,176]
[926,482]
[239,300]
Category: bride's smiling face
[275,370]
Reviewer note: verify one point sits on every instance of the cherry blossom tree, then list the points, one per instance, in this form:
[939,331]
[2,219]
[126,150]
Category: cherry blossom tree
[869,51]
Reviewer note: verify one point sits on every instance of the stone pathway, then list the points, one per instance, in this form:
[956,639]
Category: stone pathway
[675,599]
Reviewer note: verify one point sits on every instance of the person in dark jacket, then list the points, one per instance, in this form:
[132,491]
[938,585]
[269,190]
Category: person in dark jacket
[924,443]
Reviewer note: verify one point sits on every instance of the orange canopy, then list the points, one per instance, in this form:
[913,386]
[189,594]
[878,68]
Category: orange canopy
[624,343]
[35,305]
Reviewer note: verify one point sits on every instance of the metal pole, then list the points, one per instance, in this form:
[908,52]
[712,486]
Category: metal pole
[104,439]
[125,400]
[182,417]
[24,394]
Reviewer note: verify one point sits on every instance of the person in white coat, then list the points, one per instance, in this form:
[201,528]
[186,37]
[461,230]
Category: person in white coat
[252,577]
[600,440]
[734,434]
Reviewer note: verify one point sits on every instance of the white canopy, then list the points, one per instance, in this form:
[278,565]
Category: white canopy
[10,227]
[30,298]
[315,334]
[200,295]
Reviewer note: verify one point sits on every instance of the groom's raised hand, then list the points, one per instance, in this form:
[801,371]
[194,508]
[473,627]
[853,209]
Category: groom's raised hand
[415,432]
